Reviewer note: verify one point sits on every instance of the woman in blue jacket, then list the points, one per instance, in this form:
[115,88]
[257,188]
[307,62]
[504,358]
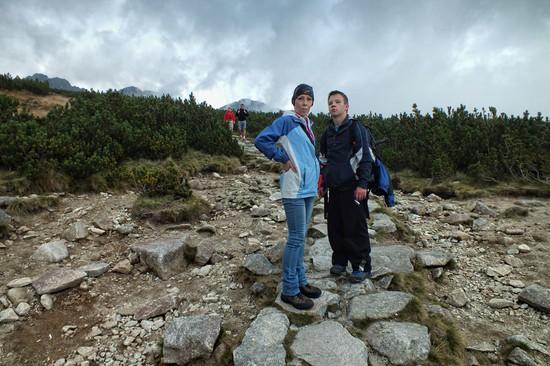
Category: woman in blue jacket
[290,141]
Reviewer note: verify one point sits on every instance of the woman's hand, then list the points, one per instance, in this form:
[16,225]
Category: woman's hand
[288,165]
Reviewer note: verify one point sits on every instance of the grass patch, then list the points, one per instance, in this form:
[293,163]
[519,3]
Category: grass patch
[403,233]
[413,283]
[195,162]
[287,343]
[167,209]
[462,187]
[448,345]
[33,204]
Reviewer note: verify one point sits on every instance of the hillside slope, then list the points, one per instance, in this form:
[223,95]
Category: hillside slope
[39,105]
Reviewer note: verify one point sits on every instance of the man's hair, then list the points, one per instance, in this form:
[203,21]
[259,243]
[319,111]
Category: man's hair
[338,92]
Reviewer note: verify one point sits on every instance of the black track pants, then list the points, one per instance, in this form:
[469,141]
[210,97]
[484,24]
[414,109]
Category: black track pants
[347,229]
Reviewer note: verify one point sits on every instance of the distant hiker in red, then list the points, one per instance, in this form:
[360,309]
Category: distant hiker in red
[229,118]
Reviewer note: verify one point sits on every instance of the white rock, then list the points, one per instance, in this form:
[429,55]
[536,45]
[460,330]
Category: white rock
[22,309]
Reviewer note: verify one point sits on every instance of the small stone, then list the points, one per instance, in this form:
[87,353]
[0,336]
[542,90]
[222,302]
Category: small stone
[257,288]
[46,301]
[457,298]
[500,303]
[524,248]
[23,309]
[124,267]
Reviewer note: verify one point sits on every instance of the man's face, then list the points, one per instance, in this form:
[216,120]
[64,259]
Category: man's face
[303,104]
[337,106]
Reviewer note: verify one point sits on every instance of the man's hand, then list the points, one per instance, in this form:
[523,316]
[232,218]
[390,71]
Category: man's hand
[321,192]
[288,165]
[360,193]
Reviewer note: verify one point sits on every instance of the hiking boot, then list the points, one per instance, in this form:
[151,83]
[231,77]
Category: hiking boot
[337,270]
[299,301]
[359,276]
[310,291]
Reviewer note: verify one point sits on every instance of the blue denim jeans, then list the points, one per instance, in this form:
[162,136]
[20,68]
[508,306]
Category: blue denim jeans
[298,214]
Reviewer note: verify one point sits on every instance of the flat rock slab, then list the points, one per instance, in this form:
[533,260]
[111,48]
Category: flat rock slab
[433,258]
[191,337]
[165,257]
[156,307]
[52,252]
[536,296]
[380,305]
[19,282]
[95,269]
[402,343]
[499,271]
[317,311]
[258,264]
[391,259]
[263,341]
[58,280]
[329,344]
[318,231]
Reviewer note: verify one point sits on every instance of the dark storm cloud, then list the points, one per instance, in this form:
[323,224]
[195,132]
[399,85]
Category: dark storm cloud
[385,54]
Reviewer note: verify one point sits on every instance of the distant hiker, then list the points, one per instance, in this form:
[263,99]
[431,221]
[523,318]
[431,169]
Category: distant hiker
[290,141]
[229,118]
[347,161]
[242,114]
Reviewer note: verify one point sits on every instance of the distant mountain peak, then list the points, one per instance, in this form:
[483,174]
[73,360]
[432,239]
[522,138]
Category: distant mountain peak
[251,105]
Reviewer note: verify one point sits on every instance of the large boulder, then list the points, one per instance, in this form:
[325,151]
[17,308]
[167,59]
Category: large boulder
[189,338]
[165,257]
[402,343]
[329,344]
[263,341]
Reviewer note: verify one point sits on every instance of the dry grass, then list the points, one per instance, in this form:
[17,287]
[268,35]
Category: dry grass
[464,187]
[33,204]
[448,343]
[167,210]
[38,105]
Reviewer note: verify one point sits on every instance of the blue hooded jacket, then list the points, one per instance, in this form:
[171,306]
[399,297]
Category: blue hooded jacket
[286,139]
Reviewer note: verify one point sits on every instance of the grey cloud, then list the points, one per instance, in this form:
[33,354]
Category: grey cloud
[385,55]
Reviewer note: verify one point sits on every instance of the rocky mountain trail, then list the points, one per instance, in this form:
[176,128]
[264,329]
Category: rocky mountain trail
[87,283]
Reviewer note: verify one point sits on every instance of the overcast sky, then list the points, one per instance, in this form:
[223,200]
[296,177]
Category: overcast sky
[385,55]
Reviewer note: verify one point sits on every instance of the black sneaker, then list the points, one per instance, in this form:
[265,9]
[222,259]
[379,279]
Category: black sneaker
[299,301]
[310,291]
[337,270]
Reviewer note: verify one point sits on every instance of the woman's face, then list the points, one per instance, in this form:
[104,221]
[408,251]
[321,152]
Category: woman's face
[303,104]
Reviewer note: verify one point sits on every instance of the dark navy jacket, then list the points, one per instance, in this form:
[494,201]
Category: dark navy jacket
[346,157]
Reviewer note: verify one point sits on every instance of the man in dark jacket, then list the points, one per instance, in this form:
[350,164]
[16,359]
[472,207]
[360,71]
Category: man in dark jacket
[242,114]
[346,169]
